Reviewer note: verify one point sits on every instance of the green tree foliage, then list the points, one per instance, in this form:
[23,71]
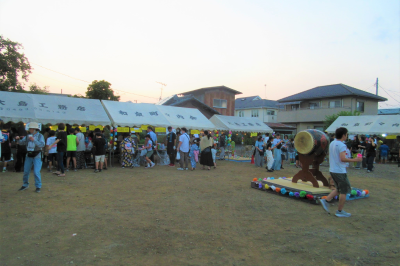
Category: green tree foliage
[34,88]
[101,90]
[13,64]
[329,119]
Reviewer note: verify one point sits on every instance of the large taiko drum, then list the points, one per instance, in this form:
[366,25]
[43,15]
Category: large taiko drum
[311,142]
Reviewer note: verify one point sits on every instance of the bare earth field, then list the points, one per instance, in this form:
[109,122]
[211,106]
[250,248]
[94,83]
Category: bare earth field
[163,216]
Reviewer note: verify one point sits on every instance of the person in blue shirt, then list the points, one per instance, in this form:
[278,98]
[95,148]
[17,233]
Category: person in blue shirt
[259,158]
[384,149]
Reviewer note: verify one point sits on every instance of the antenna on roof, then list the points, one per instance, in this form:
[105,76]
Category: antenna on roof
[265,91]
[376,84]
[162,87]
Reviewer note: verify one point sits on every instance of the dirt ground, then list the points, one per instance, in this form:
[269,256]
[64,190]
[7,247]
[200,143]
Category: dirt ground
[163,216]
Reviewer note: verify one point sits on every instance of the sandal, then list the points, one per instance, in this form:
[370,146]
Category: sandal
[57,173]
[60,175]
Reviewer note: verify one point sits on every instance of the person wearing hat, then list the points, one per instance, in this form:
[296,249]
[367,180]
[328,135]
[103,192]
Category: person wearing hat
[34,145]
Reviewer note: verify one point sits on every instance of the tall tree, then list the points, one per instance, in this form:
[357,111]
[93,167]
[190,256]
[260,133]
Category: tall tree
[13,64]
[101,90]
[329,119]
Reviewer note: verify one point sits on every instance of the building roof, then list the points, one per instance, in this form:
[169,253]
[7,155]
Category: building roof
[254,102]
[330,91]
[212,88]
[392,111]
[279,125]
[175,100]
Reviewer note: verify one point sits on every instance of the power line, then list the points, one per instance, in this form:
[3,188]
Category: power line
[89,82]
[388,93]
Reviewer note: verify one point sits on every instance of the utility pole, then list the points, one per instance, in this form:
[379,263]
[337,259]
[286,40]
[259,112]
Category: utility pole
[162,87]
[265,85]
[377,85]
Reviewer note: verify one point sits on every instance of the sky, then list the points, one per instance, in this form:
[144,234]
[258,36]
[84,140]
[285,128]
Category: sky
[273,49]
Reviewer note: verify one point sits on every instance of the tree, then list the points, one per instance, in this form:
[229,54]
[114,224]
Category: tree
[329,119]
[101,90]
[13,63]
[34,88]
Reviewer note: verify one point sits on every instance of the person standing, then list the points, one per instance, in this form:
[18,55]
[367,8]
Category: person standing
[276,145]
[206,143]
[52,152]
[337,169]
[100,151]
[127,150]
[171,146]
[193,149]
[370,150]
[266,138]
[80,149]
[222,146]
[153,137]
[61,143]
[290,148]
[34,143]
[259,158]
[285,146]
[384,150]
[149,149]
[6,149]
[268,152]
[72,143]
[183,149]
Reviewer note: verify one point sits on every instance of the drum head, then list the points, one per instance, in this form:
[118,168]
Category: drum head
[304,142]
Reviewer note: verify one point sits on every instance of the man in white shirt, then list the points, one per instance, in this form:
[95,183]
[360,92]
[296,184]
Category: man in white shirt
[183,149]
[337,169]
[266,138]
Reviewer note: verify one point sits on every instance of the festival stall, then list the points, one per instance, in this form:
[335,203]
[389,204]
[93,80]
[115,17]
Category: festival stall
[236,125]
[51,109]
[368,124]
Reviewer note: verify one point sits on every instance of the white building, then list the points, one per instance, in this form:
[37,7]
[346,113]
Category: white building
[254,106]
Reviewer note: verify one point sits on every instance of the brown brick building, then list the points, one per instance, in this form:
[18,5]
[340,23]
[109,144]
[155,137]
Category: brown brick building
[209,101]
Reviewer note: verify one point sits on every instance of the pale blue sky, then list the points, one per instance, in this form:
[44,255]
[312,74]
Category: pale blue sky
[291,46]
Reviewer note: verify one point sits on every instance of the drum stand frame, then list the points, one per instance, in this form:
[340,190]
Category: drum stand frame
[314,174]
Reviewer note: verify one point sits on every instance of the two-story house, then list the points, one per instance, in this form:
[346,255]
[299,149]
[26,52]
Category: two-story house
[308,109]
[209,101]
[254,106]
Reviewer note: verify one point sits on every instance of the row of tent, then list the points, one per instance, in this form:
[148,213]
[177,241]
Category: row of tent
[368,124]
[52,109]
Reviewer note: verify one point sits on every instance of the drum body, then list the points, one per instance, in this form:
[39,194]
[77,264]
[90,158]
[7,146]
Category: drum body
[311,142]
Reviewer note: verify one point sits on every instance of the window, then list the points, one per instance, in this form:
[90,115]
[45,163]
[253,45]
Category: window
[269,112]
[254,113]
[335,104]
[313,105]
[295,107]
[241,113]
[360,106]
[219,103]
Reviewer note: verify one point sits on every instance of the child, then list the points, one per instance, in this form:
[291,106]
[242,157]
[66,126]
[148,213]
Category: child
[384,149]
[192,156]
[214,155]
[72,142]
[270,157]
[100,152]
[51,148]
[290,147]
[149,147]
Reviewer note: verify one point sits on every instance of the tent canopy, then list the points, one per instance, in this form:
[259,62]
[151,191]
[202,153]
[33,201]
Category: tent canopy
[137,114]
[25,107]
[368,124]
[240,124]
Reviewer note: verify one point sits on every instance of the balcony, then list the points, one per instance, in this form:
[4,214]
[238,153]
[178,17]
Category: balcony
[315,114]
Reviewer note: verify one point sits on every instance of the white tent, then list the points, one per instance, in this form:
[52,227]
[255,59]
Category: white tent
[240,124]
[368,124]
[26,107]
[137,114]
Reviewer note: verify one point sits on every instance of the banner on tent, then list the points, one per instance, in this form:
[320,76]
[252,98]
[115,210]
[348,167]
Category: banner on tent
[144,127]
[92,127]
[83,129]
[161,129]
[253,134]
[55,127]
[123,129]
[135,129]
[194,131]
[99,127]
